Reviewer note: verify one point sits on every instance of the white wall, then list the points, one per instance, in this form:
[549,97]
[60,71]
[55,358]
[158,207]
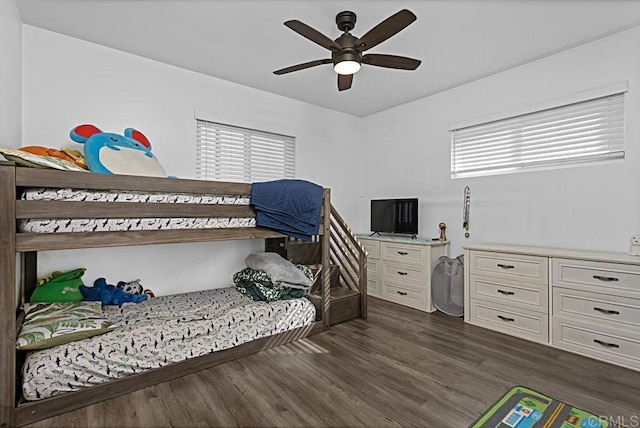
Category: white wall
[407,153]
[10,74]
[68,82]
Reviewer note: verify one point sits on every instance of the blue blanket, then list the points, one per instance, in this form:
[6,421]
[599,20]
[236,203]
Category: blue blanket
[291,207]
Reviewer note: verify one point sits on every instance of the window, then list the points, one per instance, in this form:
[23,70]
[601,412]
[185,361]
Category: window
[230,153]
[577,132]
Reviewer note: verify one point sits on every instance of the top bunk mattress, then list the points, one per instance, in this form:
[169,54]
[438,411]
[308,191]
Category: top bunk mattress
[157,332]
[125,224]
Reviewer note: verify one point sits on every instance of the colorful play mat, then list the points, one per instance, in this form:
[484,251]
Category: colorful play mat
[524,408]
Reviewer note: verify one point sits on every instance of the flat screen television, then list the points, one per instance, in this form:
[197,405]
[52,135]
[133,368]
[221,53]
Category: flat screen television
[394,216]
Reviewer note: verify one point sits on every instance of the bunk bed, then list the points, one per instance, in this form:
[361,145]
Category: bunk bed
[344,295]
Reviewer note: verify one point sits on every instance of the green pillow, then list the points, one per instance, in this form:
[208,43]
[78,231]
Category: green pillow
[50,324]
[61,287]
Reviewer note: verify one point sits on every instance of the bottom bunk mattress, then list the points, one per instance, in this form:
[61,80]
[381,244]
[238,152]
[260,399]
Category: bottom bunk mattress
[157,332]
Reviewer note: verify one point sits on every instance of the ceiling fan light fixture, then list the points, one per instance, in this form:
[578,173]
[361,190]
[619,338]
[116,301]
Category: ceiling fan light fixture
[346,62]
[346,67]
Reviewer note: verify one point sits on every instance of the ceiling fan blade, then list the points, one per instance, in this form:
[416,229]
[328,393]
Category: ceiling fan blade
[312,34]
[391,61]
[303,66]
[387,28]
[344,81]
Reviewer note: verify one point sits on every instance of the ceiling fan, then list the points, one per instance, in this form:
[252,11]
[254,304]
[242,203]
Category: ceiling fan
[346,50]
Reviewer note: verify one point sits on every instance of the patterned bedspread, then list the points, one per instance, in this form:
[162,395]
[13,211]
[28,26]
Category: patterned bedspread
[158,332]
[122,224]
[78,195]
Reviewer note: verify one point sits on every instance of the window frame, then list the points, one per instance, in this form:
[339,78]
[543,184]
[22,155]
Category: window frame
[249,146]
[524,119]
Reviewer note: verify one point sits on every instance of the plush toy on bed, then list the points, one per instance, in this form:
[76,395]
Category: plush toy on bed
[109,294]
[131,287]
[134,287]
[109,153]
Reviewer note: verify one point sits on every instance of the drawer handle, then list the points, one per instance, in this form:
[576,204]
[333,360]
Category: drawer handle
[403,253]
[506,266]
[605,278]
[606,311]
[506,293]
[402,293]
[608,345]
[402,273]
[506,319]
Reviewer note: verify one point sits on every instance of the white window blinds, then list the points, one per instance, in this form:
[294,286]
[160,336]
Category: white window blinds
[229,153]
[579,132]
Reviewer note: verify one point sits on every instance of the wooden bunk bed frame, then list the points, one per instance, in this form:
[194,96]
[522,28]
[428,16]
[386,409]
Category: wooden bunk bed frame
[338,247]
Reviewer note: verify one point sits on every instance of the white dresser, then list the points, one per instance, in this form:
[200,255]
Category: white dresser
[584,302]
[399,269]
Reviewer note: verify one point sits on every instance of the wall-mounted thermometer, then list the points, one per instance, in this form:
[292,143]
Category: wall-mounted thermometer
[466,205]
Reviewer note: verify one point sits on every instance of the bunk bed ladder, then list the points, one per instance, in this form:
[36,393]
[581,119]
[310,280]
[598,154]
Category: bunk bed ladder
[349,257]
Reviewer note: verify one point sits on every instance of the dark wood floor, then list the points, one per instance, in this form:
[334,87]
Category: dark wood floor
[400,367]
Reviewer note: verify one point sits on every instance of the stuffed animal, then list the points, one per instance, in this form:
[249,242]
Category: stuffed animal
[131,287]
[134,287]
[59,287]
[109,294]
[108,153]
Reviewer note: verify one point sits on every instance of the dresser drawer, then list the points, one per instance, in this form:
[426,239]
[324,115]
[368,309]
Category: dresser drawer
[372,247]
[403,295]
[403,272]
[610,278]
[526,268]
[597,341]
[623,311]
[509,293]
[403,253]
[517,322]
[373,287]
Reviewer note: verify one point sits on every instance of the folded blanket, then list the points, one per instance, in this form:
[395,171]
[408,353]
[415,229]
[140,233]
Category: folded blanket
[257,285]
[260,292]
[279,270]
[292,207]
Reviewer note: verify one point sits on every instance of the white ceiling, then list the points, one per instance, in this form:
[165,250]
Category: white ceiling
[244,41]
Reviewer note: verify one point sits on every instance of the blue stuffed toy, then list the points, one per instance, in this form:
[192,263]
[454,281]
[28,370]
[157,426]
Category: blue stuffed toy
[108,153]
[109,294]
